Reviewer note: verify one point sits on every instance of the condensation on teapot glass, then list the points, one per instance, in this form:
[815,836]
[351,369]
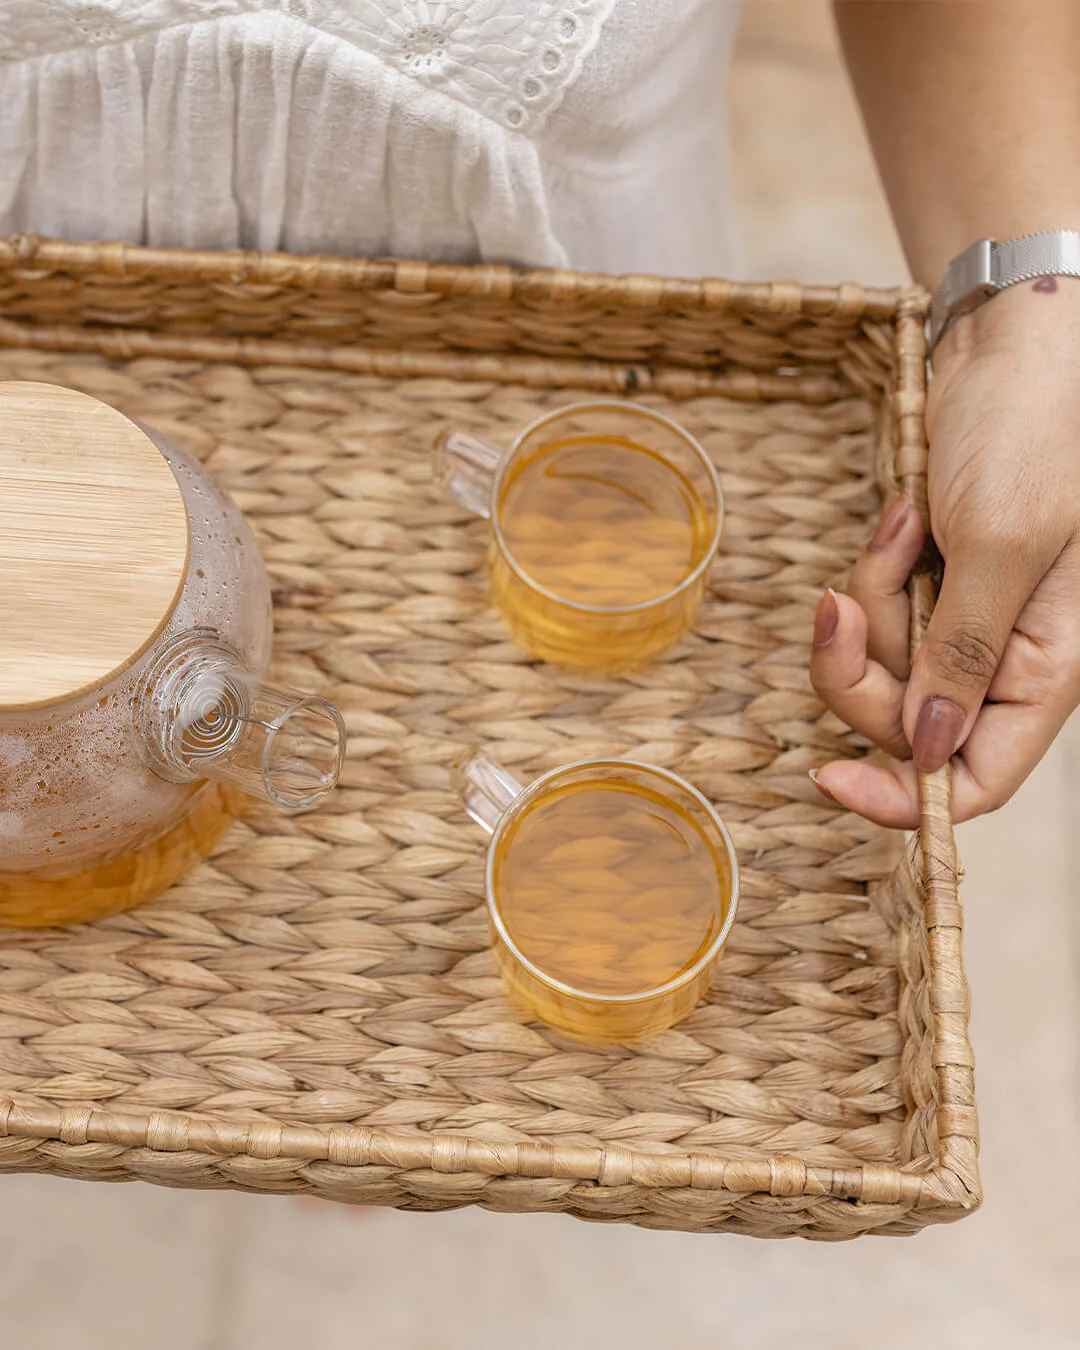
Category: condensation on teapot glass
[176,734]
[75,778]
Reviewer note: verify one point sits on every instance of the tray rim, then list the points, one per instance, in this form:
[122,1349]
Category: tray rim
[121,261]
[35,256]
[950,1186]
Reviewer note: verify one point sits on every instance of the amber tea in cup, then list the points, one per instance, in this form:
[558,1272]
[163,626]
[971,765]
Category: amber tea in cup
[605,518]
[611,888]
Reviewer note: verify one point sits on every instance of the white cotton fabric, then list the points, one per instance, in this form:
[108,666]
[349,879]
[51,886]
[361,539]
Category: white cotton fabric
[584,133]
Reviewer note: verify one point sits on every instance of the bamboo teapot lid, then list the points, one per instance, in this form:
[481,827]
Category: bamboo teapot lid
[93,543]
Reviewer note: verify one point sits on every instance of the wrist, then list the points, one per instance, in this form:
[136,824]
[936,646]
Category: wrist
[1029,315]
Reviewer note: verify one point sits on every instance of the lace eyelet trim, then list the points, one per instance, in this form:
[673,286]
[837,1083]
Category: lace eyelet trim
[512,60]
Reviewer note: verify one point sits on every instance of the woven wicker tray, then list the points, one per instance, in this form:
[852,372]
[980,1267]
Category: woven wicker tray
[316,1009]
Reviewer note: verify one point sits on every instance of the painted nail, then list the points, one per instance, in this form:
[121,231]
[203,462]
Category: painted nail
[936,733]
[890,524]
[826,617]
[820,786]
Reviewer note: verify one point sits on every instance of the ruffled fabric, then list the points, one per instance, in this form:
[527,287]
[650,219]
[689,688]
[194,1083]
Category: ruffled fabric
[587,134]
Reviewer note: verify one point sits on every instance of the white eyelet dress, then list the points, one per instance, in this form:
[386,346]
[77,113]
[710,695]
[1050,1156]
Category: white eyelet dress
[585,133]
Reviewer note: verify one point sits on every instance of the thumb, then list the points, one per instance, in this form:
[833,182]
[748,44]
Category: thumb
[987,583]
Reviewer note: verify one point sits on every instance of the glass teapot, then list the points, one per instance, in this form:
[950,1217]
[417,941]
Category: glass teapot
[135,630]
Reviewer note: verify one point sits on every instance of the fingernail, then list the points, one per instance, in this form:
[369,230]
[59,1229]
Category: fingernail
[821,786]
[936,733]
[826,617]
[890,524]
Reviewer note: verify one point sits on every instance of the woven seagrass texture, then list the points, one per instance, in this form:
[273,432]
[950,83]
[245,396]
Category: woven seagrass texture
[418,318]
[316,1009]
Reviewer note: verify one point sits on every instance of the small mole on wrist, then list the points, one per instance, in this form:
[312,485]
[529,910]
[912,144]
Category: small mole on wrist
[1045,285]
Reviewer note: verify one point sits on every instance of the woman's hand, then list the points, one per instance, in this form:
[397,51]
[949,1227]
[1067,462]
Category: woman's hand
[999,671]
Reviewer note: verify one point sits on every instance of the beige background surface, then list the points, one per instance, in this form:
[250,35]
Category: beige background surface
[98,1266]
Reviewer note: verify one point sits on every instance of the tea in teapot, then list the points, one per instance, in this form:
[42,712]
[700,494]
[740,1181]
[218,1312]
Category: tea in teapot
[135,632]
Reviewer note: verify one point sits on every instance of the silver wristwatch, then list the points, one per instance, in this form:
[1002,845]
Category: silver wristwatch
[990,266]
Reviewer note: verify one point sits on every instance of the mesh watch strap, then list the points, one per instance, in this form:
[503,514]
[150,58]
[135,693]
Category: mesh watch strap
[989,266]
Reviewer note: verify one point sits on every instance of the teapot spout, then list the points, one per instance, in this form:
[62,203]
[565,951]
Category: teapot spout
[207,716]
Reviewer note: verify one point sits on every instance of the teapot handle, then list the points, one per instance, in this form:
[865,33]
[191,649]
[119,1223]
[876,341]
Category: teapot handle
[206,716]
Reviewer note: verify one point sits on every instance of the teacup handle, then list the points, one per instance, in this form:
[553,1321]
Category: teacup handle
[466,467]
[487,790]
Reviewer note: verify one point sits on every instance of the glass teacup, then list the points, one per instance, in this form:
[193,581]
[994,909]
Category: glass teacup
[611,888]
[604,518]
